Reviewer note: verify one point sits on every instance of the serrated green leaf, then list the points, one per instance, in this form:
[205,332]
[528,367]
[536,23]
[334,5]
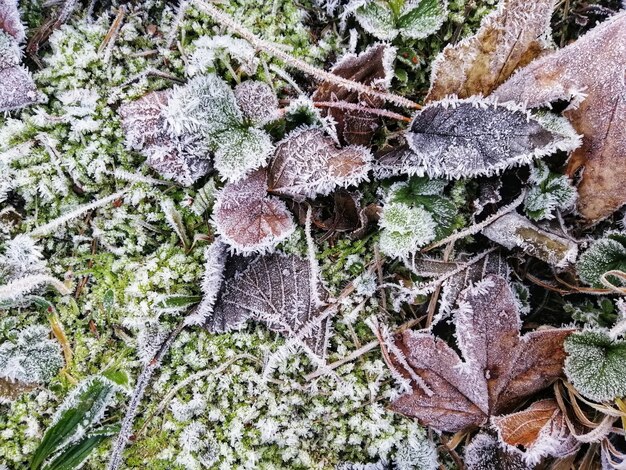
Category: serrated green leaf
[604,255]
[423,20]
[178,302]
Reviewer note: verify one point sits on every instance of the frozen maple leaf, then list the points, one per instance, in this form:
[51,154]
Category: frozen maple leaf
[10,21]
[17,89]
[257,101]
[509,37]
[540,429]
[486,453]
[307,163]
[279,290]
[475,136]
[590,72]
[500,367]
[248,219]
[372,67]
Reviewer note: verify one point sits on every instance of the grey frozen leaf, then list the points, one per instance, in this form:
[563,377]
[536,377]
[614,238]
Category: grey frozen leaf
[10,51]
[486,453]
[10,21]
[516,231]
[475,136]
[248,219]
[17,89]
[257,101]
[277,290]
[307,163]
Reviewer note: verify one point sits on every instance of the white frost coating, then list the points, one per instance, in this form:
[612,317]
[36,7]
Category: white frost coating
[175,220]
[515,231]
[257,101]
[405,229]
[10,19]
[14,290]
[210,48]
[241,150]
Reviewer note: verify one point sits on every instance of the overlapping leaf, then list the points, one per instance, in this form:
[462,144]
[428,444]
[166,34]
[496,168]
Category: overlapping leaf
[10,21]
[590,72]
[500,367]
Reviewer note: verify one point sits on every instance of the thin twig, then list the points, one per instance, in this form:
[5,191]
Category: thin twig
[362,109]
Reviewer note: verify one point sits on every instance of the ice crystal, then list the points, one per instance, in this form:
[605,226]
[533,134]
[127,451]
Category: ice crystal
[257,101]
[603,255]
[548,193]
[405,229]
[207,49]
[10,53]
[21,257]
[595,365]
[307,163]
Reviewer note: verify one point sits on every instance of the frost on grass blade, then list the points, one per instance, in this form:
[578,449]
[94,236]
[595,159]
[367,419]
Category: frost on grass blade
[516,231]
[473,137]
[307,163]
[540,429]
[454,394]
[274,289]
[596,365]
[486,453]
[208,49]
[10,21]
[248,219]
[216,257]
[257,101]
[508,38]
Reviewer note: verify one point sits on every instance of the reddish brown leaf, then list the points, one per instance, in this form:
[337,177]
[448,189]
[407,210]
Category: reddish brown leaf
[591,73]
[510,37]
[248,219]
[10,19]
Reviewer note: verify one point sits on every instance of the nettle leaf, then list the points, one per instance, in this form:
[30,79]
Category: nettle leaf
[279,290]
[240,150]
[540,429]
[405,229]
[509,37]
[257,102]
[548,192]
[578,73]
[604,255]
[307,164]
[248,219]
[10,21]
[472,137]
[411,19]
[596,365]
[486,453]
[373,67]
[500,367]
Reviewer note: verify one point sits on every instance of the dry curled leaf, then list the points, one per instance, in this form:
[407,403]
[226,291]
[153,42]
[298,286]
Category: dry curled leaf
[591,73]
[509,37]
[371,67]
[248,219]
[540,429]
[307,163]
[475,136]
[500,367]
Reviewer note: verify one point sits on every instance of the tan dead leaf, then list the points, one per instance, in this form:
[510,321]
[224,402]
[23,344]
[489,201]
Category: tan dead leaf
[10,390]
[500,367]
[508,38]
[248,219]
[592,73]
[372,67]
[540,429]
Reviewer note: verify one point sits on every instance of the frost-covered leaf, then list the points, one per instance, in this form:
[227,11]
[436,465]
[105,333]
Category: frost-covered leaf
[412,19]
[540,429]
[240,150]
[257,101]
[10,21]
[17,89]
[486,453]
[606,254]
[589,72]
[516,231]
[511,36]
[596,365]
[279,290]
[307,163]
[471,137]
[405,229]
[10,52]
[371,67]
[204,198]
[248,219]
[500,367]
[548,192]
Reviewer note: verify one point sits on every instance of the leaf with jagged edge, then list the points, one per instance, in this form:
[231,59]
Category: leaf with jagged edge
[465,138]
[604,255]
[257,102]
[279,290]
[484,452]
[590,73]
[239,150]
[540,429]
[248,219]
[10,21]
[307,163]
[510,37]
[500,367]
[373,67]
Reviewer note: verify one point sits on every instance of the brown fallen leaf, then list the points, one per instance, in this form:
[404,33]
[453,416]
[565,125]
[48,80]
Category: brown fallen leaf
[248,219]
[500,367]
[540,429]
[591,73]
[10,21]
[508,38]
[10,390]
[371,67]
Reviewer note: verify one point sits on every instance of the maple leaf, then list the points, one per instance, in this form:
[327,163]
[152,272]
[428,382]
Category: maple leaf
[500,369]
[508,38]
[541,429]
[248,219]
[371,67]
[590,72]
[475,136]
[307,163]
[279,290]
